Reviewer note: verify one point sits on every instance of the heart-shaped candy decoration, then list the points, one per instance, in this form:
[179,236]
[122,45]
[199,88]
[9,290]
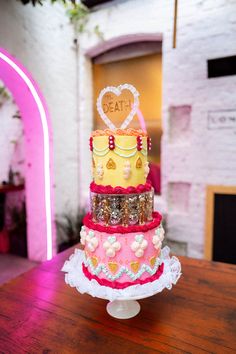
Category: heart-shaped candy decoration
[152,261]
[111,165]
[113,266]
[111,239]
[135,266]
[94,261]
[139,238]
[117,91]
[139,163]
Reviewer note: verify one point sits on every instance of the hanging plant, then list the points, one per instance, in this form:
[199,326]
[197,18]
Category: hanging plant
[77,12]
[33,2]
[78,15]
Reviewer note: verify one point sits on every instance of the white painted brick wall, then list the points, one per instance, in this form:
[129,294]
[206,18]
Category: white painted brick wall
[206,29]
[42,39]
[11,139]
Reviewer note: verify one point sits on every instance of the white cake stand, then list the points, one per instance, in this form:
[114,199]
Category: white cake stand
[122,302]
[123,309]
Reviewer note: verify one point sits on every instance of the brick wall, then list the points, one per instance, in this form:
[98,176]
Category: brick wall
[11,138]
[193,155]
[42,38]
[194,152]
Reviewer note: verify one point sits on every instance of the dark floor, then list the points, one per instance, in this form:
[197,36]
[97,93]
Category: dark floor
[11,266]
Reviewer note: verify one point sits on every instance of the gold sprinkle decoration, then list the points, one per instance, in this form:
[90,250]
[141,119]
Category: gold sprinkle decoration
[139,163]
[152,261]
[113,266]
[135,266]
[111,164]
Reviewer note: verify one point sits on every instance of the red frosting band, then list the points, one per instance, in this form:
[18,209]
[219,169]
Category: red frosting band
[116,285]
[87,221]
[141,188]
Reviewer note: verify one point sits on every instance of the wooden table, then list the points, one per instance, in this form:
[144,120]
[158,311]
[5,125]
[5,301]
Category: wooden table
[39,313]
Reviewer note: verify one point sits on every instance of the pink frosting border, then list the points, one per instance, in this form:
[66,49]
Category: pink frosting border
[116,285]
[141,188]
[87,221]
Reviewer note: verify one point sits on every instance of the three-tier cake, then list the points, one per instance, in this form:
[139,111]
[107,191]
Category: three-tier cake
[122,234]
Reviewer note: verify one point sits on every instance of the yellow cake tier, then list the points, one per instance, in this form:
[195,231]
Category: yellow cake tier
[124,165]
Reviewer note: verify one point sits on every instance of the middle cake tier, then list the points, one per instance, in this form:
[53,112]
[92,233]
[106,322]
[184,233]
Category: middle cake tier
[122,209]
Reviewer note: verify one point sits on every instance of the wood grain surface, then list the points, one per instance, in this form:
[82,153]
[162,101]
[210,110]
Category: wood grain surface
[39,313]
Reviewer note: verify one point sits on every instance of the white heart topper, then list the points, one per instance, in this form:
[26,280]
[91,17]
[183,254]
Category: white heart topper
[117,91]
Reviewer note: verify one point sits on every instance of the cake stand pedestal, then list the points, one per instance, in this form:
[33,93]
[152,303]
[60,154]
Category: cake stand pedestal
[123,309]
[122,302]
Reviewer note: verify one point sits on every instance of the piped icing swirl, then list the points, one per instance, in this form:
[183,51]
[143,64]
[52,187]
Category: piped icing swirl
[129,132]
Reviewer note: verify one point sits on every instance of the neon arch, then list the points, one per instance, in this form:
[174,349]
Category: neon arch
[41,235]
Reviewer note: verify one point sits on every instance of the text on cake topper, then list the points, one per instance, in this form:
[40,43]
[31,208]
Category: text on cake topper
[119,105]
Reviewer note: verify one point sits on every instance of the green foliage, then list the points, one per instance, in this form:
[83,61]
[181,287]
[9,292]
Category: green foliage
[4,94]
[98,32]
[69,226]
[33,2]
[77,12]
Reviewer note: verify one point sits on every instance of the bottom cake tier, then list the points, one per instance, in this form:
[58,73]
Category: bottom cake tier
[119,260]
[75,278]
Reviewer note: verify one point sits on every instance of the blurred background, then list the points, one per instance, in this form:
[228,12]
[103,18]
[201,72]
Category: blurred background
[181,57]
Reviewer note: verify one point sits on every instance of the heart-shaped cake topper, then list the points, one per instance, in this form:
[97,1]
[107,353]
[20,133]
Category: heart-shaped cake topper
[117,91]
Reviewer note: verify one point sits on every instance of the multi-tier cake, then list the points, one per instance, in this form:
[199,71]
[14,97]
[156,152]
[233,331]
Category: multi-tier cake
[122,235]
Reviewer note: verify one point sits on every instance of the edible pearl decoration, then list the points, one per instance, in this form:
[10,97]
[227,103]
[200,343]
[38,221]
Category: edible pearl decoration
[91,241]
[91,143]
[149,143]
[113,146]
[83,235]
[146,169]
[111,246]
[158,237]
[111,142]
[100,171]
[139,245]
[127,170]
[139,143]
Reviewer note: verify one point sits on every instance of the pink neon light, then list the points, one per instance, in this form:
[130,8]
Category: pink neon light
[38,140]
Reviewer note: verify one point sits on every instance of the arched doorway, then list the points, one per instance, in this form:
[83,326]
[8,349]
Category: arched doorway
[136,59]
[41,234]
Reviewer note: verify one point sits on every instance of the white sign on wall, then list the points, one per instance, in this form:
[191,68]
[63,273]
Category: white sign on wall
[222,119]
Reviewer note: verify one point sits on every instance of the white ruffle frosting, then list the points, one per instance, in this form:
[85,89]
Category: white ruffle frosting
[76,278]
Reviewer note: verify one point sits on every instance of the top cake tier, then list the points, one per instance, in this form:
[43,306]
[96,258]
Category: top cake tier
[119,158]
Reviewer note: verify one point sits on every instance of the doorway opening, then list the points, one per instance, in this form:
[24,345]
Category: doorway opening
[220,242]
[139,64]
